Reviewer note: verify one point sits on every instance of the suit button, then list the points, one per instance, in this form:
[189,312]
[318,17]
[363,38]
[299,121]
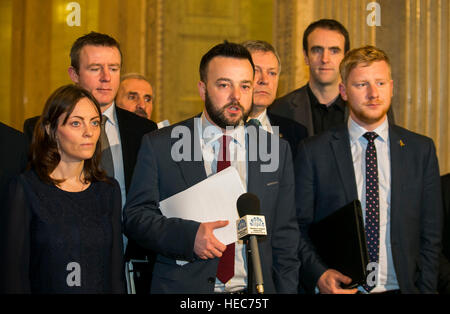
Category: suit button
[211,280]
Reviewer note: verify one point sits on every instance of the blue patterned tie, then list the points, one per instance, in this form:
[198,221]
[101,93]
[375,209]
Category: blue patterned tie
[372,202]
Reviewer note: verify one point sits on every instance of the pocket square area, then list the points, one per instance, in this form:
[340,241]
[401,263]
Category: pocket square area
[272,183]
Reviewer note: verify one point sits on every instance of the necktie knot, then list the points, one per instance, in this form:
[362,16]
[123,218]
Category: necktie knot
[254,122]
[370,136]
[107,159]
[225,140]
[223,160]
[104,119]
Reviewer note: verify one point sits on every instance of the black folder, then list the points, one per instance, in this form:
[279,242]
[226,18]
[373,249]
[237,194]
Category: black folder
[340,241]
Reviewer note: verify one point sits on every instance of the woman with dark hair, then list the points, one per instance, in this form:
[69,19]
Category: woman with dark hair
[62,228]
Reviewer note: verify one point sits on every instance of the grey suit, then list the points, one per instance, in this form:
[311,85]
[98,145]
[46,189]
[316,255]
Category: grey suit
[158,177]
[325,181]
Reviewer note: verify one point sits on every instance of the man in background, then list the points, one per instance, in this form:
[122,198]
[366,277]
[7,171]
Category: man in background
[135,94]
[267,73]
[318,104]
[392,171]
[96,61]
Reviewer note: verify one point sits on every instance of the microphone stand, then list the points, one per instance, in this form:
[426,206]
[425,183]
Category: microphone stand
[251,267]
[250,276]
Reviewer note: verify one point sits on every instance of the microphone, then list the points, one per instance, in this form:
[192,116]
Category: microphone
[249,226]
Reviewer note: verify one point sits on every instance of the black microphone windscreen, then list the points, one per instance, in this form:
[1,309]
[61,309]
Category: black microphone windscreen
[248,204]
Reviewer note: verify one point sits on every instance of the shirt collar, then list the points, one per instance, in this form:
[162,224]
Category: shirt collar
[356,131]
[337,103]
[111,114]
[210,133]
[264,119]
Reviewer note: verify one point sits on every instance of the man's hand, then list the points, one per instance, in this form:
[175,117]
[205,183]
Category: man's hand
[206,245]
[330,282]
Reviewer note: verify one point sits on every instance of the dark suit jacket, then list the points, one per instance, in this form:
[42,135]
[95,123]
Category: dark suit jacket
[28,128]
[296,106]
[132,128]
[444,267]
[291,131]
[158,177]
[325,181]
[13,158]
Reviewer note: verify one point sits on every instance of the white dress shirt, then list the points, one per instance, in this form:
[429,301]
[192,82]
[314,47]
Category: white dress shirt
[113,133]
[210,136]
[385,275]
[265,121]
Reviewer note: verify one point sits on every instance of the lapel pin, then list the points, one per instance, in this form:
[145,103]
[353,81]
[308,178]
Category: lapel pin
[401,143]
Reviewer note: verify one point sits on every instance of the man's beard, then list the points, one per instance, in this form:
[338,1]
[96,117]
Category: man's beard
[367,117]
[217,115]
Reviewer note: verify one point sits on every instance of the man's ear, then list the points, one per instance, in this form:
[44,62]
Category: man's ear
[342,91]
[202,90]
[305,57]
[73,75]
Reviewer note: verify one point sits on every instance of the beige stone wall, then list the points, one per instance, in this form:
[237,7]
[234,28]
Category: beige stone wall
[161,39]
[414,33]
[188,29]
[164,40]
[292,18]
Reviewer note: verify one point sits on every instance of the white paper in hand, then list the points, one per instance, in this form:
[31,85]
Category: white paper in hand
[212,199]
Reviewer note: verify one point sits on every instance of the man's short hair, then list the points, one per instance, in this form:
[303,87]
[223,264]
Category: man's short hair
[329,24]
[364,55]
[225,49]
[91,39]
[261,45]
[136,76]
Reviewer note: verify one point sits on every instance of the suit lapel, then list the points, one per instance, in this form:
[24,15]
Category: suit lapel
[127,141]
[255,178]
[283,129]
[302,109]
[340,144]
[193,170]
[253,184]
[398,150]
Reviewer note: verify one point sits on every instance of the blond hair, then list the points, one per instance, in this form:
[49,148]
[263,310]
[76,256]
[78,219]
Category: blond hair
[364,55]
